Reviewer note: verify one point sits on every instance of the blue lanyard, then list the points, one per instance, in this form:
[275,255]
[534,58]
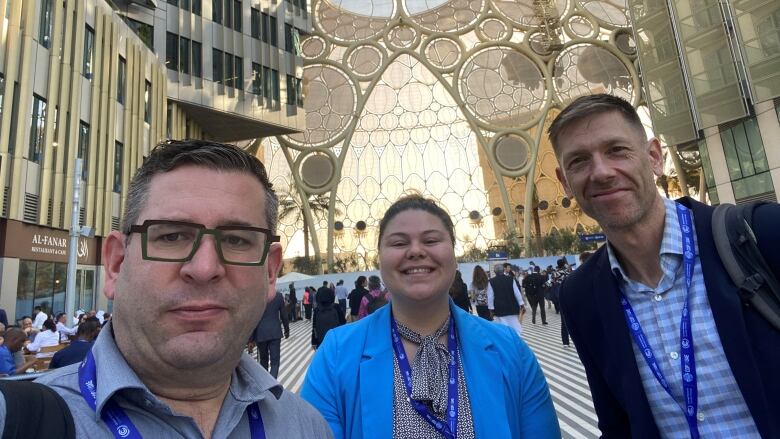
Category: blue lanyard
[687,362]
[450,429]
[116,418]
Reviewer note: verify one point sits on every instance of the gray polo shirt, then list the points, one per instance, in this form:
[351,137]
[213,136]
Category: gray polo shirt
[284,414]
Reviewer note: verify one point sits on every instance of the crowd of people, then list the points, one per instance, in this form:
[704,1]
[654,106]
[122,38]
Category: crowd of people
[403,355]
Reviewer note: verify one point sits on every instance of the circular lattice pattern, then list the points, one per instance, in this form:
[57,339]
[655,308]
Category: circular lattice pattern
[511,152]
[612,13]
[365,61]
[523,12]
[402,37]
[330,104]
[449,17]
[624,41]
[316,170]
[584,69]
[443,52]
[346,26]
[494,29]
[502,87]
[580,26]
[313,47]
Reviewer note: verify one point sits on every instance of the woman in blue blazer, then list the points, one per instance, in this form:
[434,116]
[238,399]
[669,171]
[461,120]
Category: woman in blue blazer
[422,367]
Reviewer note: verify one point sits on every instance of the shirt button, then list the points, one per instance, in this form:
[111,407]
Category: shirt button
[700,416]
[674,355]
[657,297]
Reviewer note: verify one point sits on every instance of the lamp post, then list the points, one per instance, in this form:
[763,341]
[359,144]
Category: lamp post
[76,231]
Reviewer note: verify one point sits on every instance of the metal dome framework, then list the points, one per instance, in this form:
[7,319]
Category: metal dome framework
[435,96]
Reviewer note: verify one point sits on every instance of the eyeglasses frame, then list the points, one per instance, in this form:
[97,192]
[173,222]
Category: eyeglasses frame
[202,230]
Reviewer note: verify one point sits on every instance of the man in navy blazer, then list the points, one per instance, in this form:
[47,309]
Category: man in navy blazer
[607,165]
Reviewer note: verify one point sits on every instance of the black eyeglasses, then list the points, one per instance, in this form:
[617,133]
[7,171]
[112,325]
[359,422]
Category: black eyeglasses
[177,241]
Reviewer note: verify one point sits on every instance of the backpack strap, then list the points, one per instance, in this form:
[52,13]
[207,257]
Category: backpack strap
[35,411]
[738,249]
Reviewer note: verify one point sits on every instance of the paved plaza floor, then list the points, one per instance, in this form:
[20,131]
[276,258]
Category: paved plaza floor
[561,366]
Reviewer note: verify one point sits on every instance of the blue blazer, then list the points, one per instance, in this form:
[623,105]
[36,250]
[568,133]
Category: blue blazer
[591,307]
[350,380]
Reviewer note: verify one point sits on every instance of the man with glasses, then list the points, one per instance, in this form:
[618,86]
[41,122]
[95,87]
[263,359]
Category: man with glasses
[189,273]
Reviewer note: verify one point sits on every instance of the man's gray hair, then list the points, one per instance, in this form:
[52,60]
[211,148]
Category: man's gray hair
[169,155]
[590,105]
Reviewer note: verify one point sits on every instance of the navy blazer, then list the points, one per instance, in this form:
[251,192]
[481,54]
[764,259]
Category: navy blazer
[591,307]
[350,380]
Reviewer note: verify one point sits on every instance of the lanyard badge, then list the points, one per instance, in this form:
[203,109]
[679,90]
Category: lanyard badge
[116,418]
[687,360]
[450,429]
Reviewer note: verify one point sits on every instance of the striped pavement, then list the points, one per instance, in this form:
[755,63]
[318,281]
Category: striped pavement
[561,366]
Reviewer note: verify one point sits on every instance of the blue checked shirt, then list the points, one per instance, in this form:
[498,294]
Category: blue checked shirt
[722,410]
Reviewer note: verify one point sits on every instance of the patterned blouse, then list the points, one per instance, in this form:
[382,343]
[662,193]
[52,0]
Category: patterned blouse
[407,423]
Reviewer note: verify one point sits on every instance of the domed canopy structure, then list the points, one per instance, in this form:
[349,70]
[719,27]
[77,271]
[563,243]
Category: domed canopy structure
[448,98]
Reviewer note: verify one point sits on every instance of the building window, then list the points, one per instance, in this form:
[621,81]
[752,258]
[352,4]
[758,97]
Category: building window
[237,17]
[185,4]
[119,157]
[37,128]
[173,2]
[169,119]
[709,177]
[121,81]
[265,29]
[40,284]
[239,63]
[2,92]
[216,11]
[147,102]
[171,51]
[290,90]
[275,79]
[197,65]
[229,75]
[257,79]
[274,31]
[216,65]
[746,159]
[299,92]
[255,23]
[44,33]
[184,55]
[228,15]
[196,7]
[89,46]
[288,38]
[267,83]
[83,149]
[144,31]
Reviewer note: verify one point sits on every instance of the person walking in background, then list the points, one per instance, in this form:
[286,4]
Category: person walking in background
[375,299]
[459,293]
[327,316]
[294,312]
[533,284]
[267,336]
[341,296]
[421,367]
[478,292]
[505,300]
[308,298]
[355,297]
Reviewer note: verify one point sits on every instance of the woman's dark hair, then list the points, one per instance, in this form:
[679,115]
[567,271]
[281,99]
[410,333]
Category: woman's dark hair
[88,329]
[57,317]
[374,283]
[416,202]
[457,284]
[360,281]
[479,279]
[50,325]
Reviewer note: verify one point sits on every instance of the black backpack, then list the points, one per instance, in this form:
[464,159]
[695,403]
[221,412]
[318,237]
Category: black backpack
[738,250]
[376,302]
[326,318]
[33,410]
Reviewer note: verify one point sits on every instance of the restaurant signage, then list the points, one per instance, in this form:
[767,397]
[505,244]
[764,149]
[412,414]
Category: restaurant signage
[32,242]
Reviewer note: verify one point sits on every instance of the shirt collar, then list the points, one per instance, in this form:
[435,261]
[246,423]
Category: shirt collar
[249,382]
[671,244]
